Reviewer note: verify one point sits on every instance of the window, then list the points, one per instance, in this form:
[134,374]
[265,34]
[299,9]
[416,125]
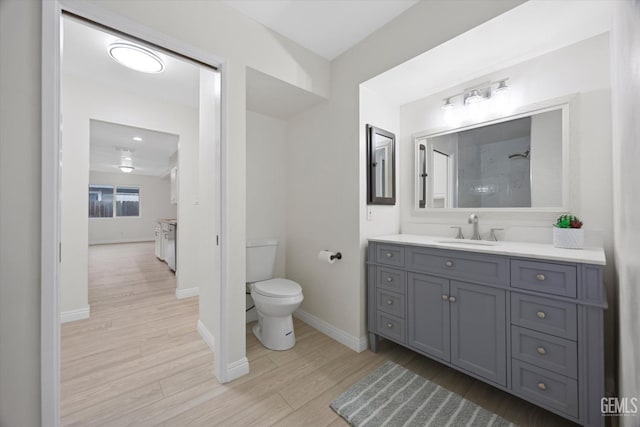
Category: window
[100,201]
[127,201]
[103,204]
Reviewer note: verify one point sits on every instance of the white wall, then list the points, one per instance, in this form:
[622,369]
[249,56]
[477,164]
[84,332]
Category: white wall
[266,184]
[626,176]
[326,185]
[20,162]
[83,100]
[155,203]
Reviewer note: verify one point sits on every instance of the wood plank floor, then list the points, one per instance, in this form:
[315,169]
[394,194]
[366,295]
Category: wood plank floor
[138,361]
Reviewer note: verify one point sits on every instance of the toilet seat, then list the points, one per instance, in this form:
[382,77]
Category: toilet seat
[277,288]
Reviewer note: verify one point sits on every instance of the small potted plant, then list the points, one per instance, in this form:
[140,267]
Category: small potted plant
[568,232]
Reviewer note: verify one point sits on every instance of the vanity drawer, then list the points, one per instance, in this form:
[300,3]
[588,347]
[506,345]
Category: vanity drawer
[390,302]
[476,268]
[390,326]
[557,279]
[389,255]
[390,279]
[557,318]
[546,388]
[545,351]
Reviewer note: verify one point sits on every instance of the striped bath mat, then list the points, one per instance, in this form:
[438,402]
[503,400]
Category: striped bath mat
[395,396]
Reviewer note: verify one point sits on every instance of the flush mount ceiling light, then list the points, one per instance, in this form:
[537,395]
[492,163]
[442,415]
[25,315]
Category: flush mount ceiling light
[137,138]
[136,57]
[126,169]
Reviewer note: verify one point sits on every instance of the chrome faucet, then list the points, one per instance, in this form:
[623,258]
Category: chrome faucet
[473,219]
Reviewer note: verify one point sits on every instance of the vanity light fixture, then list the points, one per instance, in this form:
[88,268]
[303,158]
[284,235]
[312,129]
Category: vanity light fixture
[447,104]
[136,57]
[474,95]
[126,169]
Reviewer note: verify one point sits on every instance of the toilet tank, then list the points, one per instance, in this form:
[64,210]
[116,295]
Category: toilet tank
[261,259]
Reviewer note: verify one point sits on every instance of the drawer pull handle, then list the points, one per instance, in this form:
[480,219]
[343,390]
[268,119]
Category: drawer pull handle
[452,299]
[541,314]
[389,279]
[542,386]
[389,302]
[449,263]
[541,350]
[540,277]
[389,254]
[389,325]
[445,297]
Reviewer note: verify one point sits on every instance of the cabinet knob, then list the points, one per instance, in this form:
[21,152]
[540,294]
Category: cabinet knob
[389,302]
[541,314]
[541,350]
[449,263]
[389,279]
[542,386]
[389,325]
[540,277]
[452,299]
[445,297]
[389,254]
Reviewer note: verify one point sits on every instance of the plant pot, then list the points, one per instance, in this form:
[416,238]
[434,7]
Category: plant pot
[569,238]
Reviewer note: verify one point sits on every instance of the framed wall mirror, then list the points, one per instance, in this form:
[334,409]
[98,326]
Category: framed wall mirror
[515,163]
[381,166]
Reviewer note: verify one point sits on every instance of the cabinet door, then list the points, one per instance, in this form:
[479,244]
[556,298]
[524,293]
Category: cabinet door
[428,315]
[478,330]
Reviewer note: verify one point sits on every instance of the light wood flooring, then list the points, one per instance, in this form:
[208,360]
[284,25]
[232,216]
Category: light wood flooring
[139,361]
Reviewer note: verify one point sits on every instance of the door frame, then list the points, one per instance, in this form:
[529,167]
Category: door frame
[52,11]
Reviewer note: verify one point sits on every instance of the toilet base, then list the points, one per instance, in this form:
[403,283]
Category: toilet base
[275,333]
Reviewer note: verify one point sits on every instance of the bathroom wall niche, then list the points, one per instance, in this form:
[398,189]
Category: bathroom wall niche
[517,162]
[381,167]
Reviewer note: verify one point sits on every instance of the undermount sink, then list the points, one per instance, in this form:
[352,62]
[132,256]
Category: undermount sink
[467,242]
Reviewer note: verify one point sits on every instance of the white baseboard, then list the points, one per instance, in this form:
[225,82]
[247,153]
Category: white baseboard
[237,369]
[115,241]
[206,335]
[234,369]
[187,293]
[354,343]
[73,315]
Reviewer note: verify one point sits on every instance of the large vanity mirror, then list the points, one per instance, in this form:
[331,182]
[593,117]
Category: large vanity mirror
[519,162]
[381,168]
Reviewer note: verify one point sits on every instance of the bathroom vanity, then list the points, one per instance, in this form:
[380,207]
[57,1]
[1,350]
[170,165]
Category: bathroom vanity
[525,318]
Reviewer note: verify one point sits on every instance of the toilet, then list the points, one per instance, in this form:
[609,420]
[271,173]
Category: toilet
[276,299]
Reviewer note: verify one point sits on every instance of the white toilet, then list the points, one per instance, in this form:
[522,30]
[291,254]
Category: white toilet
[275,299]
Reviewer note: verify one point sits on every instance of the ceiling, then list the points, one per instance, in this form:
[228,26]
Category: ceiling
[325,27]
[112,144]
[527,31]
[85,55]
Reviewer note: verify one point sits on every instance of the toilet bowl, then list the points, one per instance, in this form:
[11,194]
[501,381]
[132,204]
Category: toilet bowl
[275,298]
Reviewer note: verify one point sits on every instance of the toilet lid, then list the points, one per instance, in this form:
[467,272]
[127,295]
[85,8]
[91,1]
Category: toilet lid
[277,288]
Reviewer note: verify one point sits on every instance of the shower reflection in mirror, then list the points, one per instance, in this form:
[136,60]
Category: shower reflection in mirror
[508,163]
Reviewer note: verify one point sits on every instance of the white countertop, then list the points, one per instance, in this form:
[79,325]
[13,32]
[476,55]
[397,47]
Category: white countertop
[522,249]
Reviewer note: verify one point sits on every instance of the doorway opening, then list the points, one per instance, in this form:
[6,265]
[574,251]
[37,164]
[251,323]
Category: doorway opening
[120,208]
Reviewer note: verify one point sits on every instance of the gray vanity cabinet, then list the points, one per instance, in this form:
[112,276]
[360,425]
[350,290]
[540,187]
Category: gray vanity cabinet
[428,304]
[530,327]
[478,330]
[459,323]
